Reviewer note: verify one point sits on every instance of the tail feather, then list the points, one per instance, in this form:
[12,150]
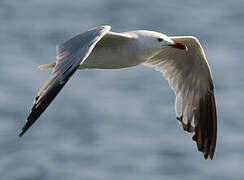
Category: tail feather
[45,67]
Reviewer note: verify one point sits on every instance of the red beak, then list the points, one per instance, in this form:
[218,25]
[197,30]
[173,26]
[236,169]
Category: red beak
[179,46]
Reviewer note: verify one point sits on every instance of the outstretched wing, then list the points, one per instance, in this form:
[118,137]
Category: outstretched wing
[70,55]
[189,75]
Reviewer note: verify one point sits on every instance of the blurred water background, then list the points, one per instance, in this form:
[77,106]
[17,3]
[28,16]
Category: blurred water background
[116,124]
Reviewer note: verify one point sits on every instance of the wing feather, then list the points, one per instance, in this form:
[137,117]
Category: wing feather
[70,55]
[189,75]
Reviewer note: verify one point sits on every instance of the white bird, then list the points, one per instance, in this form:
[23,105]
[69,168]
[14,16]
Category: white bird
[181,59]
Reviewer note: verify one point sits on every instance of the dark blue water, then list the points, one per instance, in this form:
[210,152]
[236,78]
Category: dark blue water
[116,124]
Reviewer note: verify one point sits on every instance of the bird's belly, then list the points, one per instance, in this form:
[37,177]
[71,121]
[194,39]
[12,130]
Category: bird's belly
[111,60]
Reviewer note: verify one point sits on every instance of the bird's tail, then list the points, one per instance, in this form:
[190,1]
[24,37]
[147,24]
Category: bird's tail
[45,67]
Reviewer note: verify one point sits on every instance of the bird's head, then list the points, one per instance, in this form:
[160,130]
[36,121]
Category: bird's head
[156,41]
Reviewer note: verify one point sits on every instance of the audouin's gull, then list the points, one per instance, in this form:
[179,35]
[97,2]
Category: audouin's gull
[181,59]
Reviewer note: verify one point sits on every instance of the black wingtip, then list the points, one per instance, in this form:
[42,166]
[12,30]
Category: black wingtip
[52,88]
[21,134]
[206,129]
[25,128]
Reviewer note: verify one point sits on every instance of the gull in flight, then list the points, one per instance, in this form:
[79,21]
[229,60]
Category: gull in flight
[180,59]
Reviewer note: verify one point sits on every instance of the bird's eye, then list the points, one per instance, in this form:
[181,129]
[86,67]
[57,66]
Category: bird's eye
[160,39]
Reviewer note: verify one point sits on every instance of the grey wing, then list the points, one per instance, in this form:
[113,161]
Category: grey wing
[189,75]
[70,55]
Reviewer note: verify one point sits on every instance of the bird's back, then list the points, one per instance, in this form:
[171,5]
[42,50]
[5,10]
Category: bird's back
[114,51]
